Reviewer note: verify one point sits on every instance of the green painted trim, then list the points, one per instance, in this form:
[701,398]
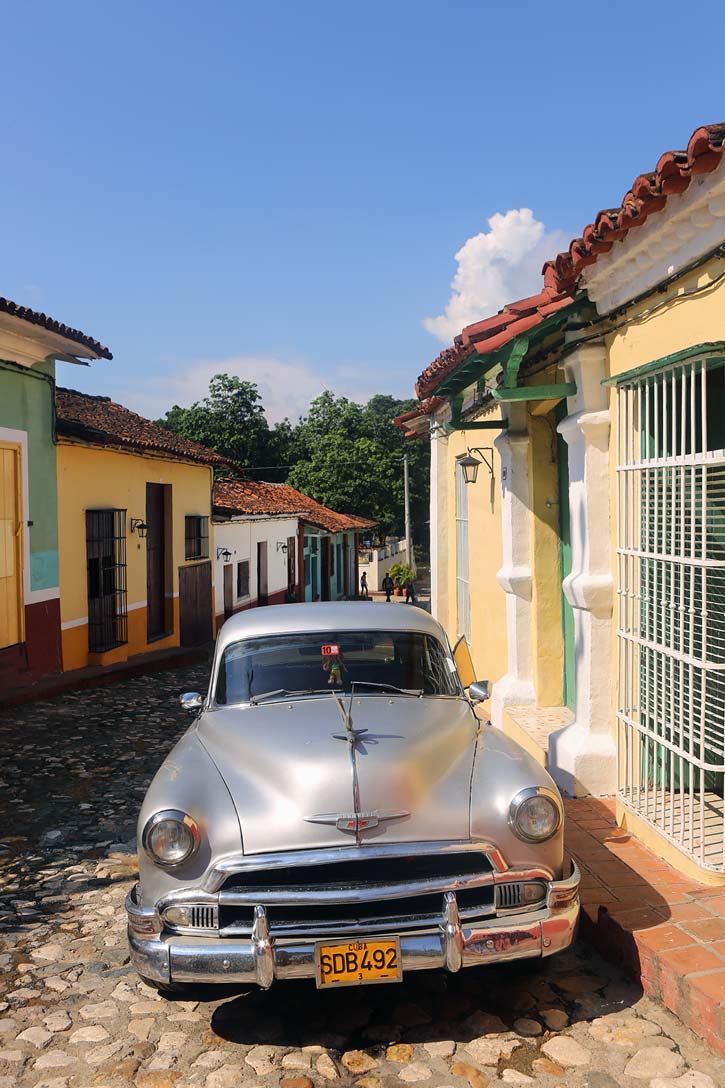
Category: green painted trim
[535,392]
[457,424]
[717,346]
[478,365]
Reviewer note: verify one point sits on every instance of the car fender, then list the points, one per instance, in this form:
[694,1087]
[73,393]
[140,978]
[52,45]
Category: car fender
[190,781]
[501,769]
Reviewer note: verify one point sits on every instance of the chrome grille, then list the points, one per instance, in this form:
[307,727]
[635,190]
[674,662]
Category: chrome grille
[358,894]
[512,894]
[204,917]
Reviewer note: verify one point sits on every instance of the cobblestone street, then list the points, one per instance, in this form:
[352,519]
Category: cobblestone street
[74,1013]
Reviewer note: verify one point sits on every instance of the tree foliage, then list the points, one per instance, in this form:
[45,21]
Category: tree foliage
[345,455]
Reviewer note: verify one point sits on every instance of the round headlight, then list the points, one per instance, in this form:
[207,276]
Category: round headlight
[170,837]
[535,814]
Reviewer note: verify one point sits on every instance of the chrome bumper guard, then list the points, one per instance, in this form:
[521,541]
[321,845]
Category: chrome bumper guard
[166,957]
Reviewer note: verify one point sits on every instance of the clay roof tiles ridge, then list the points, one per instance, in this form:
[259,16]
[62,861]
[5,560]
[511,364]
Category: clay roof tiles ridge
[35,317]
[101,420]
[250,497]
[647,195]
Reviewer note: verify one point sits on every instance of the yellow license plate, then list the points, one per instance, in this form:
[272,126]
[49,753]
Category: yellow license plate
[354,963]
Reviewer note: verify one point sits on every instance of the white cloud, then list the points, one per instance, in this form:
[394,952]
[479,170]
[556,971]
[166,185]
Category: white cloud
[495,267]
[286,389]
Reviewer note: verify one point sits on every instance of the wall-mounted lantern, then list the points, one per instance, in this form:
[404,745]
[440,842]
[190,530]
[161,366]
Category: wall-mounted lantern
[138,525]
[281,545]
[470,466]
[224,553]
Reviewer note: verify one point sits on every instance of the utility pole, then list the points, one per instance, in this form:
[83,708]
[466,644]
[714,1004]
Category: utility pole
[406,488]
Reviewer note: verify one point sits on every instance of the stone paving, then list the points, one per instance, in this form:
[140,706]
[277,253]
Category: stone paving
[73,1012]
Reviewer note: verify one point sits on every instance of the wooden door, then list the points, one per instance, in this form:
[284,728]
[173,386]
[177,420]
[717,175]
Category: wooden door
[228,590]
[262,588]
[195,608]
[11,540]
[155,562]
[325,576]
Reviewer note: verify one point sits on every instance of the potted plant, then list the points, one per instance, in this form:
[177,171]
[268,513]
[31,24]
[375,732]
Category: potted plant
[400,573]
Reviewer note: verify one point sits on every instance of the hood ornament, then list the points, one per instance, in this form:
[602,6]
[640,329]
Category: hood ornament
[356,821]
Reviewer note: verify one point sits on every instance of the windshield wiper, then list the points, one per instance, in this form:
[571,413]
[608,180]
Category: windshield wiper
[254,699]
[385,687]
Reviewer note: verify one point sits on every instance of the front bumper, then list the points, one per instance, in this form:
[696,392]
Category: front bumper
[168,958]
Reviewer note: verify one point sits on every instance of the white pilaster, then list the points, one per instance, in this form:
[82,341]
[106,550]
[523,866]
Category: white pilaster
[438,517]
[582,756]
[516,687]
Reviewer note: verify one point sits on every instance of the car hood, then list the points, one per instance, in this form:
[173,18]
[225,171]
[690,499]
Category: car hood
[288,764]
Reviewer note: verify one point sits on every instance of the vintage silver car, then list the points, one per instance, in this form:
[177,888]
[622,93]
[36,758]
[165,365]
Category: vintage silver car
[337,811]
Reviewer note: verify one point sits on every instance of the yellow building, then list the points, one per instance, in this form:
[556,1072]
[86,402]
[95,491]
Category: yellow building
[135,533]
[594,595]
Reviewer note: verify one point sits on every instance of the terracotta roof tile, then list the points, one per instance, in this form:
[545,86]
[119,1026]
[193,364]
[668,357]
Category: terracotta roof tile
[648,194]
[100,420]
[258,497]
[492,333]
[7,306]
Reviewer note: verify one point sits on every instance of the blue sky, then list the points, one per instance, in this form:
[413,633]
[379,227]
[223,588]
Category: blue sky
[279,190]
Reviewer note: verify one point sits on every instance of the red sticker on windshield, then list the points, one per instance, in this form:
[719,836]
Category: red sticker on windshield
[329,651]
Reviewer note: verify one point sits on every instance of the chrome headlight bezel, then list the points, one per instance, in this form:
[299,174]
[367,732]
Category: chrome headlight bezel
[517,807]
[181,818]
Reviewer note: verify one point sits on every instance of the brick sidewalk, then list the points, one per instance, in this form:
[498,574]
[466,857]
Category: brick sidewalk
[663,929]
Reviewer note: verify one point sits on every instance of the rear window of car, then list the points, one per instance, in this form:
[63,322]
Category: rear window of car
[280,664]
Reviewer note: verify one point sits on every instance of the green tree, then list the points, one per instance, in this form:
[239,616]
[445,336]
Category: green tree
[230,420]
[350,457]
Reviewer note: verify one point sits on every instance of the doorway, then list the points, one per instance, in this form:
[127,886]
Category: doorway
[228,590]
[11,538]
[262,589]
[155,561]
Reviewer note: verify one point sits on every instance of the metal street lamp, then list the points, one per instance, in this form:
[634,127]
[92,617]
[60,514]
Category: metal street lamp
[469,466]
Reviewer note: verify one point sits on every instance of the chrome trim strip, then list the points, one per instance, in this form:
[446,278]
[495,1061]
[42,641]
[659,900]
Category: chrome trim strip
[365,893]
[240,863]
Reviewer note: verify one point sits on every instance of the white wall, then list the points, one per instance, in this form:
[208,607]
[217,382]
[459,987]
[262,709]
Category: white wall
[382,560]
[241,537]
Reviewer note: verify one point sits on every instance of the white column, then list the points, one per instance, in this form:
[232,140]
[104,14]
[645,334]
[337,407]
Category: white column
[438,516]
[582,756]
[516,687]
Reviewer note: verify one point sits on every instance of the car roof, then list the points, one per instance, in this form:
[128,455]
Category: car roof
[327,617]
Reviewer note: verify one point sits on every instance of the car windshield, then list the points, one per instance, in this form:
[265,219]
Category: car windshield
[380,662]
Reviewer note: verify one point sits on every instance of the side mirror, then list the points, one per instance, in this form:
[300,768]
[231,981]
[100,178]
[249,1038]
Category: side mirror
[479,691]
[191,701]
[463,662]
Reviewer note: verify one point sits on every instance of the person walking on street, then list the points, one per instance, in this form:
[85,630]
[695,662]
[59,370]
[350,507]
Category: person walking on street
[388,587]
[410,590]
[364,591]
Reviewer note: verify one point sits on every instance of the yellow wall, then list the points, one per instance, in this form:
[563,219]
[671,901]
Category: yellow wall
[548,645]
[90,477]
[488,601]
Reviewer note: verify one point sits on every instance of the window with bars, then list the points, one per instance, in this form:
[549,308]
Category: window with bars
[106,579]
[671,601]
[463,589]
[243,578]
[196,537]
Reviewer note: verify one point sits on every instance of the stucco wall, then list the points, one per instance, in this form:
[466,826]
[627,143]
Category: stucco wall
[26,405]
[488,610]
[94,478]
[241,538]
